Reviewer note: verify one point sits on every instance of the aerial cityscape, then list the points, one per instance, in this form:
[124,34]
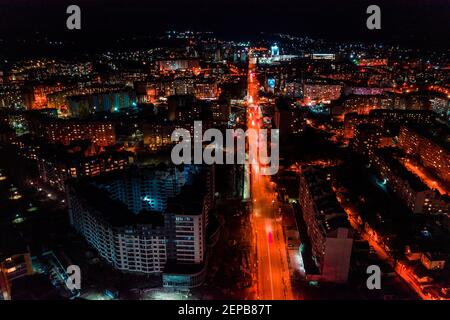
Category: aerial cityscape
[194,164]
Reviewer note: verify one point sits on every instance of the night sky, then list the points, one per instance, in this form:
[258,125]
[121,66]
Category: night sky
[424,22]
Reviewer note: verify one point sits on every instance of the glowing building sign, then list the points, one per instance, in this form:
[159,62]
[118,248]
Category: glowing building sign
[274,50]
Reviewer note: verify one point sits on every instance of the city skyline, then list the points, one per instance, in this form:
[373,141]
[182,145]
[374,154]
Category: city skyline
[167,151]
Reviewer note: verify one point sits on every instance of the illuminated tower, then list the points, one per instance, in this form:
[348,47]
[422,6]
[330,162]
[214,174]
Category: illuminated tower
[275,50]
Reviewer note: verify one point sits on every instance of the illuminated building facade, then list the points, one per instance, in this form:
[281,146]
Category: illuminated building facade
[79,106]
[11,96]
[380,117]
[11,268]
[323,56]
[221,114]
[414,193]
[433,154]
[183,108]
[294,89]
[141,221]
[321,92]
[353,120]
[15,261]
[176,64]
[327,225]
[423,117]
[441,106]
[157,136]
[374,62]
[367,91]
[65,131]
[274,50]
[55,168]
[289,120]
[35,97]
[363,104]
[206,90]
[367,139]
[59,100]
[410,100]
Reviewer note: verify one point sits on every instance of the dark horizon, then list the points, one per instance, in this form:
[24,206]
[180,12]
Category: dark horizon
[413,23]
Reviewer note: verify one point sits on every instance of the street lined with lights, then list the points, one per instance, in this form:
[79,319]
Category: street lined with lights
[273,279]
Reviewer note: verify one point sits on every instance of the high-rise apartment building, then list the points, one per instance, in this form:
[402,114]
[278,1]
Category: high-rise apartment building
[141,220]
[328,228]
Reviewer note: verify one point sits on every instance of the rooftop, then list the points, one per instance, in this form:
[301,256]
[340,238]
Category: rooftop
[113,211]
[330,214]
[189,201]
[439,134]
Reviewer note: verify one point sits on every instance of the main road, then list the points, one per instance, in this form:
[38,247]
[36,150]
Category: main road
[273,278]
